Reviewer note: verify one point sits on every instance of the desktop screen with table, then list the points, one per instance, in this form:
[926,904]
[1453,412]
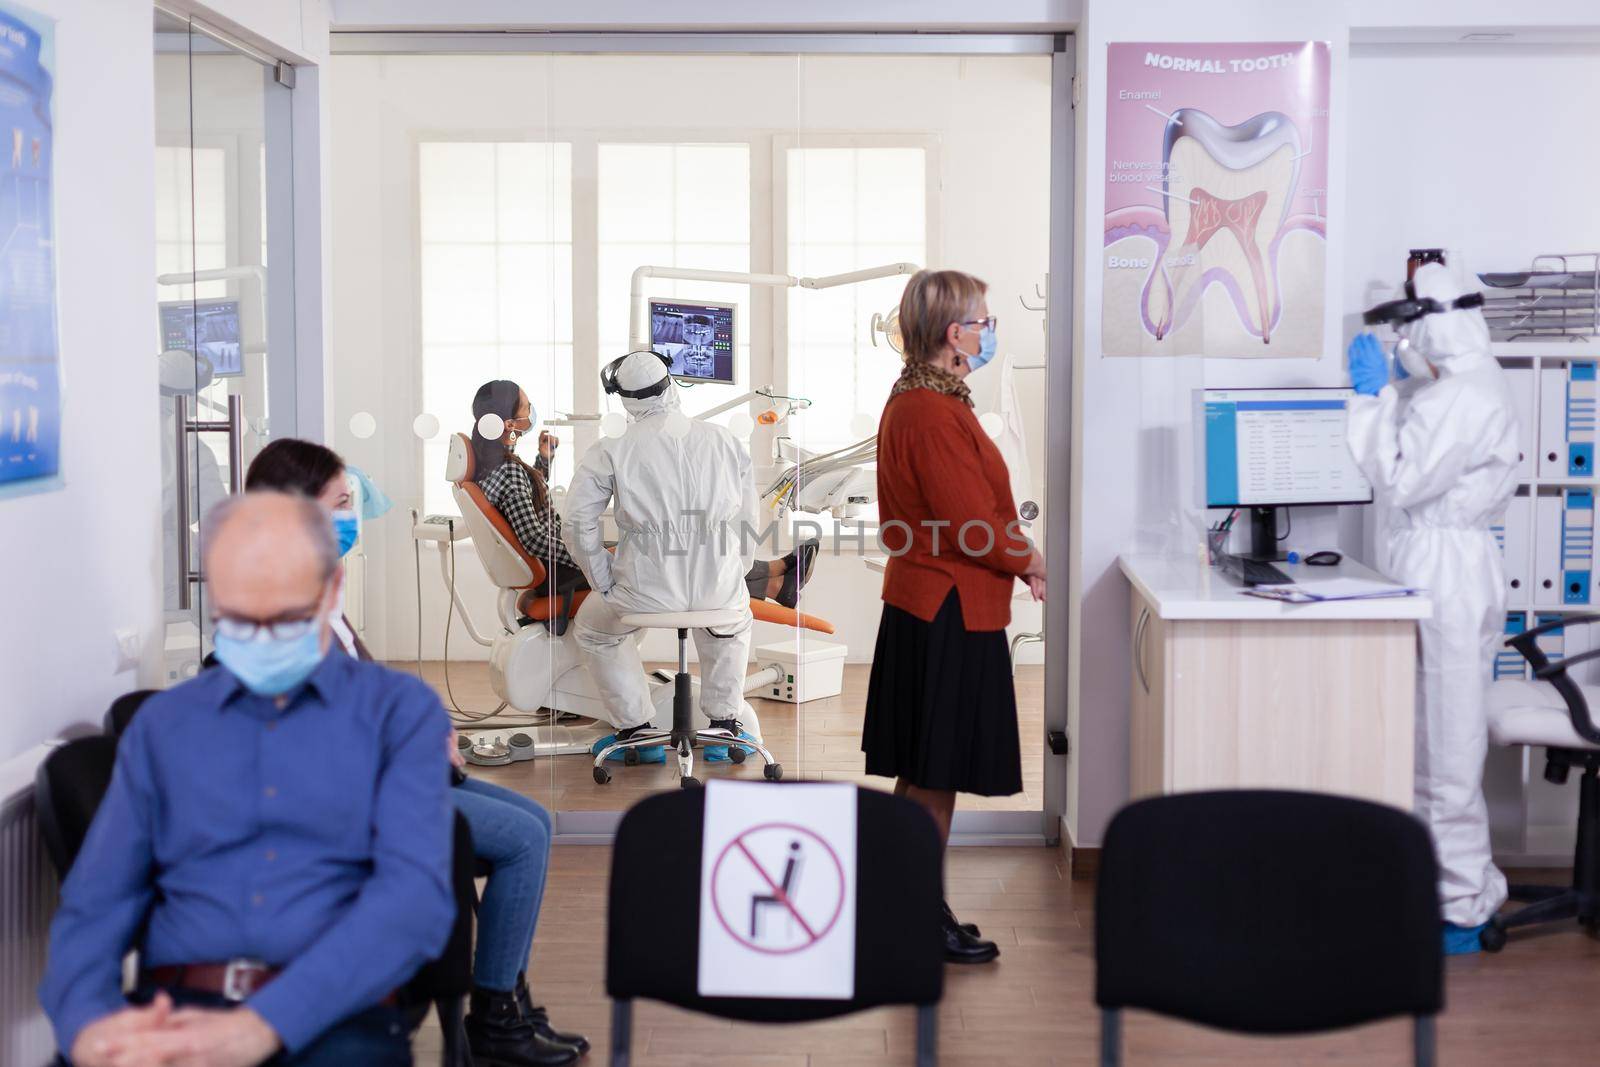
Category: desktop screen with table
[1275,447]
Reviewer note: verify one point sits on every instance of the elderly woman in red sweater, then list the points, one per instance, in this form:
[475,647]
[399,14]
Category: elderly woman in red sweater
[941,710]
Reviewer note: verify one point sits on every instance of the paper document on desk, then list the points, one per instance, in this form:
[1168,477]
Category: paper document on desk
[1330,589]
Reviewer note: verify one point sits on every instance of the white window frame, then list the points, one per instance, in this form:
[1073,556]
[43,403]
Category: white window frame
[781,143]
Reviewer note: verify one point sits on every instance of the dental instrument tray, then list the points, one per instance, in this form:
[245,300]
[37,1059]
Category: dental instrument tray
[1558,297]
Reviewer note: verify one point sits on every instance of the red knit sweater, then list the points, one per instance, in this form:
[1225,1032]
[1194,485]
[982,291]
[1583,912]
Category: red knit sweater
[937,466]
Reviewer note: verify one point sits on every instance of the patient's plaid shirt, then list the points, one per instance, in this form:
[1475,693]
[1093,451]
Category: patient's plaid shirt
[510,490]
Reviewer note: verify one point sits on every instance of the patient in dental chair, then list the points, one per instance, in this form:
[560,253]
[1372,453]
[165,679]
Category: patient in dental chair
[520,492]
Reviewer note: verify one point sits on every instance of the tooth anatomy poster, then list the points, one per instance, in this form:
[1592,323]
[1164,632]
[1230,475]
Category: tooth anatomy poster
[30,380]
[1216,199]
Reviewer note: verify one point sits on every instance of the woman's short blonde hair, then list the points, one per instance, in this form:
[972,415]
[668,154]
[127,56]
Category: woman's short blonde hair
[932,301]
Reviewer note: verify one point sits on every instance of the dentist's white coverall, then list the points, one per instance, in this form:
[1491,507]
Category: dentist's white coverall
[1442,455]
[682,491]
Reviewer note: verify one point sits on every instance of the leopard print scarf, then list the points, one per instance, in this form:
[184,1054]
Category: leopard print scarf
[920,374]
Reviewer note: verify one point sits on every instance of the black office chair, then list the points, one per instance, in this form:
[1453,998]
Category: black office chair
[655,872]
[71,782]
[123,709]
[1268,912]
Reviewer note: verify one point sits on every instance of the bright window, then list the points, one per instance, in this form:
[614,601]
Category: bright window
[191,218]
[848,208]
[496,227]
[674,205]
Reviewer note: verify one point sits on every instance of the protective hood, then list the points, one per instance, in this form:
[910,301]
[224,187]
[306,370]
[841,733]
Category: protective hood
[1449,340]
[641,370]
[182,372]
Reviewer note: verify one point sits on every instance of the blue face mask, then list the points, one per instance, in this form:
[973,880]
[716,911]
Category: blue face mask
[270,665]
[986,346]
[346,530]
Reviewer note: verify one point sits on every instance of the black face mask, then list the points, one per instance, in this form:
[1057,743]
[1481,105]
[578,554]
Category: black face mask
[608,379]
[1412,308]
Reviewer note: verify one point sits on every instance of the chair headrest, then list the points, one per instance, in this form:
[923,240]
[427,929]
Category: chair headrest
[460,463]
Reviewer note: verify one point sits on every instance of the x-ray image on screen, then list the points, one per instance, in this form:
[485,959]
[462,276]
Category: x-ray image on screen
[697,337]
[209,328]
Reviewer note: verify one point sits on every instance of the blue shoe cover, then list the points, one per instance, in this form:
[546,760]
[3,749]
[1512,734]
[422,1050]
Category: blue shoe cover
[1462,940]
[719,753]
[648,754]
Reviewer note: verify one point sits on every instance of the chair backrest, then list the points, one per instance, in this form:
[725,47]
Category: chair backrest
[451,974]
[67,790]
[510,566]
[1268,912]
[653,933]
[123,709]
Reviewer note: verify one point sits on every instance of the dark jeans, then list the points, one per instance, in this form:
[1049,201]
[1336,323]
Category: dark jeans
[376,1037]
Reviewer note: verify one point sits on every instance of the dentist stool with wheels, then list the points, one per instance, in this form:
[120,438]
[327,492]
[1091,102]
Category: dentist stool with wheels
[683,737]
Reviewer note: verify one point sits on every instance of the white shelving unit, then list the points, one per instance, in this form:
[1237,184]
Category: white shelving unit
[1534,823]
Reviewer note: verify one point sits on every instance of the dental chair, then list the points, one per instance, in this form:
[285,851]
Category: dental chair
[1553,712]
[535,662]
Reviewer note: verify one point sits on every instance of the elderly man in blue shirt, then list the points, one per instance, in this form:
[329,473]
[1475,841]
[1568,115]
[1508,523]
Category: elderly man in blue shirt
[276,837]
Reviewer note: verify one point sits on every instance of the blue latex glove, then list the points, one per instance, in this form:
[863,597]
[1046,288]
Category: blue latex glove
[1399,369]
[1369,369]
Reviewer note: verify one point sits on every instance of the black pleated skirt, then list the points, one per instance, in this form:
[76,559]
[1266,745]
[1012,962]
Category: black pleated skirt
[941,708]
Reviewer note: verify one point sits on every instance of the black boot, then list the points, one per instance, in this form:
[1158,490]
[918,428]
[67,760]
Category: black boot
[950,917]
[499,1036]
[540,1018]
[962,947]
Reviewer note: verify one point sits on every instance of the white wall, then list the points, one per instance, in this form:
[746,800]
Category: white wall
[85,561]
[990,117]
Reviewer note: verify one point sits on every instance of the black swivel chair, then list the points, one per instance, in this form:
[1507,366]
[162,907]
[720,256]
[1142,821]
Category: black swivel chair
[72,781]
[122,711]
[655,871]
[1268,912]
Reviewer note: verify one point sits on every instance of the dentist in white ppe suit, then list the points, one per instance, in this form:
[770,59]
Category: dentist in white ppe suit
[1440,448]
[682,491]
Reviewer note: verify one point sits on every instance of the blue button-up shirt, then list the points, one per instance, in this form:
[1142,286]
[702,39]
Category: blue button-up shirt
[311,832]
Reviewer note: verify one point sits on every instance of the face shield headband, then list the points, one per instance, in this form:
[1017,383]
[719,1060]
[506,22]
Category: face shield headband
[1412,308]
[608,378]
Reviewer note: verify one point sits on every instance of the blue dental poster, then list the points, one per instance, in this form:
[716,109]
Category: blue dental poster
[30,359]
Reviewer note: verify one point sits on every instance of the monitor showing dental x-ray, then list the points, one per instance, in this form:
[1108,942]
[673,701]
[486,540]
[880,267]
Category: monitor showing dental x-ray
[207,327]
[697,337]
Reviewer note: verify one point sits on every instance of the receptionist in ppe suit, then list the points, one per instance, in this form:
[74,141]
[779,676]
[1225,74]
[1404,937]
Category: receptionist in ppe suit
[1440,446]
[682,490]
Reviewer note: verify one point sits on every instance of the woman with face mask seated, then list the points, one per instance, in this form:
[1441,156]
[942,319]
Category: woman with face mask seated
[509,831]
[520,492]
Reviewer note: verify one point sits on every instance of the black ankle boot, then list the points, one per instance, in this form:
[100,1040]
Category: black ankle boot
[540,1018]
[962,947]
[950,917]
[499,1036]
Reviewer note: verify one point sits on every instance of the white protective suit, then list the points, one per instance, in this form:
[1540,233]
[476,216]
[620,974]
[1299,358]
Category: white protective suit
[682,492]
[1442,455]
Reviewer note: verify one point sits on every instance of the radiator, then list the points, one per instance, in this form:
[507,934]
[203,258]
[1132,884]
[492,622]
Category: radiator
[27,900]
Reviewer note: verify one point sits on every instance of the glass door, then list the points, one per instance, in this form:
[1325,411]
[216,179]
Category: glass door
[223,201]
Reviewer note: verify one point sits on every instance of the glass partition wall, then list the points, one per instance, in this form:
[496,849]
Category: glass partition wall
[492,216]
[224,333]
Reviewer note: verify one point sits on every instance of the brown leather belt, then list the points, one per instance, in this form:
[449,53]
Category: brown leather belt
[236,980]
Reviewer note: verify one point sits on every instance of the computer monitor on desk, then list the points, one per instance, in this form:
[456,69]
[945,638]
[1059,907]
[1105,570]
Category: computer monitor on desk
[1264,449]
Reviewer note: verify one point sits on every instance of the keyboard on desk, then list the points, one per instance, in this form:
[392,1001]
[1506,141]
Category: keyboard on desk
[1251,571]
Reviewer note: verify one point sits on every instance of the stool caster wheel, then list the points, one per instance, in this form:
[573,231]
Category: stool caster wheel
[688,782]
[601,776]
[773,771]
[630,757]
[736,753]
[1492,937]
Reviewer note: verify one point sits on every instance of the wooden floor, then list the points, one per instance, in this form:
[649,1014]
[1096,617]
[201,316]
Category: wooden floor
[818,740]
[1532,1005]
